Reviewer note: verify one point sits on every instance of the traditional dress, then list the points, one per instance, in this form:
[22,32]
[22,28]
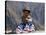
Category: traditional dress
[25,27]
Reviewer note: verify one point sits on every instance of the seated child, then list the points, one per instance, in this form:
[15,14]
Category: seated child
[26,25]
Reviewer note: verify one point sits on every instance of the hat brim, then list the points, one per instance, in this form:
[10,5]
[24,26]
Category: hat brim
[27,11]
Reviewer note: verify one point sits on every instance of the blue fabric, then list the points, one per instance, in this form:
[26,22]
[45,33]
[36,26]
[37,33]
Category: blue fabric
[21,26]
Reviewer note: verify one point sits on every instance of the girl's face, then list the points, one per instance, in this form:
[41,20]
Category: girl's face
[25,13]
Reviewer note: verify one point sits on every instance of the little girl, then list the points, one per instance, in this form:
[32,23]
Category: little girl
[26,26]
